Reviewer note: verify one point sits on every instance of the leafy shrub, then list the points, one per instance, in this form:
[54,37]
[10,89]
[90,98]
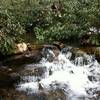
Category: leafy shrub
[10,31]
[68,20]
[49,20]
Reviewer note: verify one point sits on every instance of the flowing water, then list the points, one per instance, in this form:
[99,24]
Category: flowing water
[78,76]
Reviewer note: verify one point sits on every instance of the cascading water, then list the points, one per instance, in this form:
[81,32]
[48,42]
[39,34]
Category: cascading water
[79,77]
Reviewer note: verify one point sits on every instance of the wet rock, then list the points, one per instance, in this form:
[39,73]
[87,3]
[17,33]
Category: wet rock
[33,55]
[98,95]
[0,63]
[40,87]
[70,52]
[97,53]
[15,77]
[92,50]
[91,78]
[41,96]
[32,70]
[20,48]
[12,94]
[58,44]
[66,49]
[6,69]
[79,53]
[50,52]
[97,50]
[8,80]
[32,47]
[22,59]
[88,50]
[50,72]
[57,94]
[39,71]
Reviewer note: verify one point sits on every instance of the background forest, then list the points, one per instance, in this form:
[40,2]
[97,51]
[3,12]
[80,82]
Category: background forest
[49,20]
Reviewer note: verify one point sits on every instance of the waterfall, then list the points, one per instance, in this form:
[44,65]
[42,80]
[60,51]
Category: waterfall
[78,77]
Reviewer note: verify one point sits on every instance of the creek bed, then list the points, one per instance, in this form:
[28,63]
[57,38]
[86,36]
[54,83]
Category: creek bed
[54,77]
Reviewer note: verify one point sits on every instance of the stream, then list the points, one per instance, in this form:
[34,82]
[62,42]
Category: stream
[63,76]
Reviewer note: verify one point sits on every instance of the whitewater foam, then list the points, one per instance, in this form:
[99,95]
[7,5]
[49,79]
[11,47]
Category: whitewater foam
[75,77]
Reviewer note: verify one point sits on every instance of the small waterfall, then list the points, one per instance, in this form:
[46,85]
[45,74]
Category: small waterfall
[78,76]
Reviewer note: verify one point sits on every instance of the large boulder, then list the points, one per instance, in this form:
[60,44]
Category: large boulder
[92,50]
[20,48]
[27,58]
[8,78]
[50,52]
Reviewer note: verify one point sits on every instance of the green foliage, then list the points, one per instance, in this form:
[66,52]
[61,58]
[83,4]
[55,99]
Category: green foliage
[49,20]
[10,31]
[71,21]
[7,45]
